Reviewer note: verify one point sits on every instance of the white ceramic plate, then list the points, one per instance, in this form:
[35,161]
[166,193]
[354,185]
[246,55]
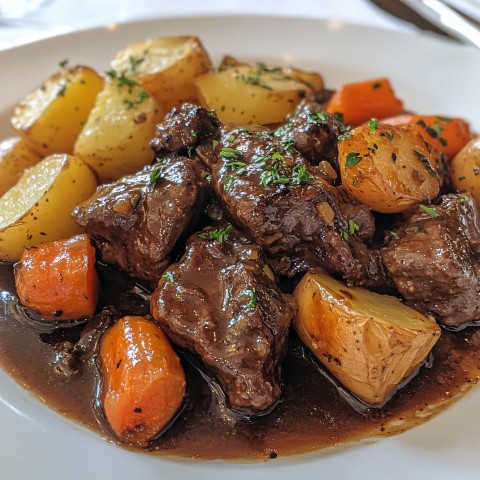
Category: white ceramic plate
[430,74]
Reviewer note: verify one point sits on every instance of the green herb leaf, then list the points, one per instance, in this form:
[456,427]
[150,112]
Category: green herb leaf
[300,176]
[253,299]
[227,153]
[154,176]
[220,234]
[63,63]
[431,211]
[352,159]
[353,227]
[135,62]
[168,277]
[228,182]
[215,143]
[372,124]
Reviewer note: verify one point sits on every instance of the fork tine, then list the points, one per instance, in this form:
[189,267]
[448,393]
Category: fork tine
[446,18]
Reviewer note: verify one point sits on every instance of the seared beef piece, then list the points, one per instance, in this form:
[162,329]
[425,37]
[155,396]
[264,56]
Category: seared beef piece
[314,133]
[183,129]
[220,302]
[136,221]
[435,261]
[303,222]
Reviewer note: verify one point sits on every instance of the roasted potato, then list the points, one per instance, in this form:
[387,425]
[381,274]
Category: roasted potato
[370,343]
[165,67]
[37,209]
[115,140]
[247,94]
[465,170]
[389,168]
[51,117]
[15,157]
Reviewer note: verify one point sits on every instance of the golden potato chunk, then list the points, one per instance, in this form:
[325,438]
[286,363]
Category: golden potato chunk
[465,169]
[115,140]
[165,67]
[51,117]
[370,343]
[15,157]
[389,168]
[245,94]
[37,209]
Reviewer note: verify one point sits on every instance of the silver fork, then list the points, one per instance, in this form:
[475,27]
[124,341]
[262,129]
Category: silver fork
[459,22]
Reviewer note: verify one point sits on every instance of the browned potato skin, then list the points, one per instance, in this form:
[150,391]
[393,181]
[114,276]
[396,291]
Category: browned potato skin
[390,177]
[15,157]
[465,169]
[353,333]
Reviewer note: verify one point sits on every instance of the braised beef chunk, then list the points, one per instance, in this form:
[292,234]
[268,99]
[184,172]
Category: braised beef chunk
[136,221]
[435,261]
[314,132]
[221,303]
[183,129]
[302,222]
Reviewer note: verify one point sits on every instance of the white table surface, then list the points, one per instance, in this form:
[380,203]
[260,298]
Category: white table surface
[61,16]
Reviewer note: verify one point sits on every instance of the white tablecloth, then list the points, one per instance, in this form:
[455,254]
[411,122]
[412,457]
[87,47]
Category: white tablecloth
[60,16]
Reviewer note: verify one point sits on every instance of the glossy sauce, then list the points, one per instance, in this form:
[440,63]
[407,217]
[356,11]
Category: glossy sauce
[59,366]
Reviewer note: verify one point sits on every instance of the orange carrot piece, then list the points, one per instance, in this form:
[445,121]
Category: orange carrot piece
[446,134]
[58,280]
[358,102]
[143,379]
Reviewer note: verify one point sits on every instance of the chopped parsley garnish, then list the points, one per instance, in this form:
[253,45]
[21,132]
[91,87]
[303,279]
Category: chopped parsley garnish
[228,182]
[376,85]
[353,227]
[431,211]
[253,299]
[372,124]
[300,176]
[318,117]
[141,97]
[463,199]
[193,133]
[154,176]
[63,63]
[280,131]
[190,151]
[168,277]
[345,235]
[353,158]
[253,80]
[135,62]
[288,145]
[228,153]
[345,133]
[215,143]
[219,235]
[393,234]
[265,68]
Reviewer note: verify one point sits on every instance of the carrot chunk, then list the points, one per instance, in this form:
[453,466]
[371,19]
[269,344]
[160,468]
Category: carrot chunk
[143,379]
[360,101]
[58,280]
[445,134]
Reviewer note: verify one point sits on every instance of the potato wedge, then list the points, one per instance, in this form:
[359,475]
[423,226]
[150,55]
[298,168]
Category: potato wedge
[371,343]
[465,170]
[51,117]
[246,94]
[37,209]
[165,67]
[115,140]
[15,157]
[389,168]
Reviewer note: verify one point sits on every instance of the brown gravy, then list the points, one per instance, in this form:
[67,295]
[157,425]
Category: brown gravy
[311,416]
